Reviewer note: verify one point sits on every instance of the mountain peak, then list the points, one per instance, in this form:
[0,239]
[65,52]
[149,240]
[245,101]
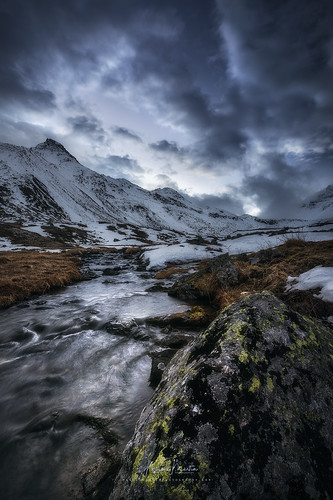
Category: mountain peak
[52,145]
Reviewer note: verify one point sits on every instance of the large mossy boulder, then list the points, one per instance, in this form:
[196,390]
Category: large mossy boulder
[203,284]
[243,412]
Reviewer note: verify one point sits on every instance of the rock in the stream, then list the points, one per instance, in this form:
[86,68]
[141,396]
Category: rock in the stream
[112,271]
[243,412]
[218,272]
[115,327]
[196,318]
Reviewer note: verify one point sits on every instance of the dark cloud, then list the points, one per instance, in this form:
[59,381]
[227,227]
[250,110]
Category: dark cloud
[111,82]
[165,146]
[248,84]
[88,126]
[193,107]
[25,133]
[230,203]
[295,33]
[63,35]
[127,134]
[281,188]
[118,165]
[280,55]
[14,90]
[276,200]
[166,181]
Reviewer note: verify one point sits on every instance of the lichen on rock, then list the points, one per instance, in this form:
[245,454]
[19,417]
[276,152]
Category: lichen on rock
[244,411]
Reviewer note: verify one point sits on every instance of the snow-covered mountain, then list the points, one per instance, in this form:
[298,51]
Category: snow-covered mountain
[320,206]
[46,186]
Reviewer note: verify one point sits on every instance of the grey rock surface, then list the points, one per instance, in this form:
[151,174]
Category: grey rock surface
[243,412]
[220,270]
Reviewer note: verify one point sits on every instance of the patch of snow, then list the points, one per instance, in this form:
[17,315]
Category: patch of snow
[318,277]
[158,256]
[35,228]
[250,243]
[318,235]
[256,242]
[5,244]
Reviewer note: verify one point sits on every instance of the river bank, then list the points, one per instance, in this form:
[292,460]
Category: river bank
[29,272]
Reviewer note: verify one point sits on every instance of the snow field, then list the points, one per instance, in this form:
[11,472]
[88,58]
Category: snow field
[318,277]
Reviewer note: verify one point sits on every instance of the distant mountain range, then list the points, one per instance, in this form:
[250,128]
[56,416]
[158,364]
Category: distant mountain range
[45,187]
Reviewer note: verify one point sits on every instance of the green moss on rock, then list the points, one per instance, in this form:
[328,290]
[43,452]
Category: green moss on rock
[245,411]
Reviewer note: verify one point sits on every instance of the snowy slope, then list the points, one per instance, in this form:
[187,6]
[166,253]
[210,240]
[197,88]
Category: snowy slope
[47,185]
[319,207]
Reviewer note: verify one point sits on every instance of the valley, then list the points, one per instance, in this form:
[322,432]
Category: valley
[108,294]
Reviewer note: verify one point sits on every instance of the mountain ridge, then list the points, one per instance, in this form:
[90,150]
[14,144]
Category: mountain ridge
[46,184]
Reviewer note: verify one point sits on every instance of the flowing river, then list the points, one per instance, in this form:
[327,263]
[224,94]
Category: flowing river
[74,371]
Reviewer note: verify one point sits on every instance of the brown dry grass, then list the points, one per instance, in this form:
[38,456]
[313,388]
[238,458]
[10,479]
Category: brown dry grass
[166,273]
[29,272]
[132,250]
[269,270]
[208,284]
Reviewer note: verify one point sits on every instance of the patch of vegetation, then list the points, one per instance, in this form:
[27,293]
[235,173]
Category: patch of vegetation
[212,275]
[196,318]
[269,269]
[170,271]
[132,250]
[29,272]
[19,236]
[208,284]
[264,270]
[198,240]
[59,237]
[67,234]
[141,235]
[164,237]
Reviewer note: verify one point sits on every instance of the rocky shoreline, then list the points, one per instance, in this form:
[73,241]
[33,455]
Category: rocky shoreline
[244,410]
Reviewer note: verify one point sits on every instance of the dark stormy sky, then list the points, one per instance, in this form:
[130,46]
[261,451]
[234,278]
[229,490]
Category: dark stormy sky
[231,101]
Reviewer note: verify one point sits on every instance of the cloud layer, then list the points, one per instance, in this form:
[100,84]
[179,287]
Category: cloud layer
[229,101]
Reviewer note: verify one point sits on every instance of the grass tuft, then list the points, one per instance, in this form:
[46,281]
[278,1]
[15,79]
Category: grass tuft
[29,272]
[171,271]
[269,269]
